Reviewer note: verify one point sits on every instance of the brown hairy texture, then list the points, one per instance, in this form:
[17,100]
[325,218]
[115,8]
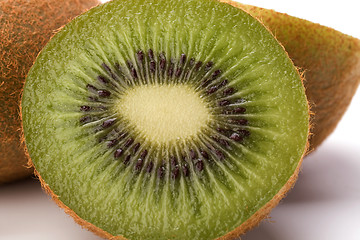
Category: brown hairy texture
[25,27]
[330,60]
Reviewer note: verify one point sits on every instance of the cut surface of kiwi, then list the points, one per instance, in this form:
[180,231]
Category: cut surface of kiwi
[26,26]
[165,119]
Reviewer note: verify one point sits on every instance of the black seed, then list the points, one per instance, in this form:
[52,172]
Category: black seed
[224,143]
[103,93]
[106,67]
[239,110]
[173,161]
[236,137]
[239,121]
[103,79]
[182,59]
[85,119]
[199,165]
[144,154]
[91,88]
[118,153]
[161,171]
[222,130]
[229,91]
[198,65]
[221,141]
[108,123]
[204,154]
[152,66]
[216,74]
[151,54]
[109,71]
[112,143]
[192,62]
[192,154]
[206,82]
[132,70]
[224,103]
[127,159]
[171,70]
[220,154]
[244,132]
[186,170]
[162,61]
[139,164]
[149,167]
[136,147]
[162,64]
[175,172]
[133,73]
[129,142]
[140,56]
[178,72]
[208,66]
[223,83]
[212,90]
[85,108]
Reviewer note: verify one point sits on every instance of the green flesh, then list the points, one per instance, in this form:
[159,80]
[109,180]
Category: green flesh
[103,191]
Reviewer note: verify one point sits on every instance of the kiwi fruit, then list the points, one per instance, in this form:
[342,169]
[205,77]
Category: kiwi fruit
[330,61]
[165,119]
[26,26]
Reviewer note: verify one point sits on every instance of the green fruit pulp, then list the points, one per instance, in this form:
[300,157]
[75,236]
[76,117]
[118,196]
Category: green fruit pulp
[83,172]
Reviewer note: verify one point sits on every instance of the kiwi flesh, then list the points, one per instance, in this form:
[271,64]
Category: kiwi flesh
[26,26]
[165,119]
[330,61]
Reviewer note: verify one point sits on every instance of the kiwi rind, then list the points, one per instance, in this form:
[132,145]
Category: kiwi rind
[26,26]
[329,60]
[255,218]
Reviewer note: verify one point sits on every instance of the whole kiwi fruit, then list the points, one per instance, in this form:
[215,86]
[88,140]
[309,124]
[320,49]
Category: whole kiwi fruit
[26,26]
[165,119]
[329,59]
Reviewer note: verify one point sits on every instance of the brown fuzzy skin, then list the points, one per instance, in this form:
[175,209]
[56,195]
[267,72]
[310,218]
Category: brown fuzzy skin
[330,59]
[26,26]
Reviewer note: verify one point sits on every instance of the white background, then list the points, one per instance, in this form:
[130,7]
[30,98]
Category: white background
[324,205]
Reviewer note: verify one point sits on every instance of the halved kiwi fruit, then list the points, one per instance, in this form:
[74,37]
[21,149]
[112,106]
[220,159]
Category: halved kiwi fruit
[330,61]
[26,26]
[165,119]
